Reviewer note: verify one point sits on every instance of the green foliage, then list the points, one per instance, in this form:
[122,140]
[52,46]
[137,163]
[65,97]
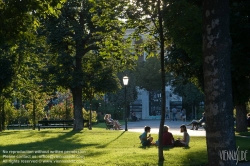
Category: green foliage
[87,39]
[240,27]
[58,111]
[117,100]
[35,105]
[11,114]
[21,116]
[20,19]
[184,31]
[190,93]
[184,54]
[144,17]
[86,115]
[183,23]
[99,75]
[148,74]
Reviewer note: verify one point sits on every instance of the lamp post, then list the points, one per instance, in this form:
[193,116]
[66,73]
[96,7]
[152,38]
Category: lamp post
[125,82]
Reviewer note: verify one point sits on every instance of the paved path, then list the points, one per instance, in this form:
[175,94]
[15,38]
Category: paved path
[154,124]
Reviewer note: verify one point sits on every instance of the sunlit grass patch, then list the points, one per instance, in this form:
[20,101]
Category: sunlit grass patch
[98,147]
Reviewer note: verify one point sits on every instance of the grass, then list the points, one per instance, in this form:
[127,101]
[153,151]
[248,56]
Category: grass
[247,134]
[97,147]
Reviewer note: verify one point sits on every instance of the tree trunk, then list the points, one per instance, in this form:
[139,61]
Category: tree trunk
[3,116]
[34,113]
[77,101]
[163,93]
[67,110]
[241,122]
[77,89]
[195,111]
[217,82]
[90,115]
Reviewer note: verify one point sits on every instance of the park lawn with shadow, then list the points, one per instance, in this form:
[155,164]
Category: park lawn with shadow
[97,147]
[244,134]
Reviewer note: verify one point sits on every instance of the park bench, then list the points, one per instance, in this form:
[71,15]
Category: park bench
[58,124]
[203,125]
[109,126]
[18,126]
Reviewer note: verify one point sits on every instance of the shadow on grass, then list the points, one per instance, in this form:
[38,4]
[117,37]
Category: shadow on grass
[60,143]
[193,160]
[144,147]
[167,148]
[105,145]
[63,142]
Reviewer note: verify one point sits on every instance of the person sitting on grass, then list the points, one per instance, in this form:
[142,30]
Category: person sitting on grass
[167,138]
[146,140]
[184,142]
[196,123]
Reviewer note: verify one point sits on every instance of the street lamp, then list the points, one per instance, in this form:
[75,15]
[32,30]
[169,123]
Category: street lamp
[125,82]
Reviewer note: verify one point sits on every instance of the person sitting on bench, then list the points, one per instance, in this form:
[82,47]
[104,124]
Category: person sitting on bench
[115,123]
[196,123]
[133,116]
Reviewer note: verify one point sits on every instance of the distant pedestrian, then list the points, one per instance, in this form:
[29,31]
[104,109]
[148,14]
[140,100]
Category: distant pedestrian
[133,116]
[174,111]
[183,114]
[167,116]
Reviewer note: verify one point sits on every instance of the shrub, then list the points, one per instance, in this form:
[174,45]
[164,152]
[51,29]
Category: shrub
[11,113]
[86,115]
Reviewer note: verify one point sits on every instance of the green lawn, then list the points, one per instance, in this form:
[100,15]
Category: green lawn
[244,133]
[96,147]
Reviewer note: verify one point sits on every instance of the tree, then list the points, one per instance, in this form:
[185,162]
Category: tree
[148,74]
[184,57]
[240,28]
[84,26]
[147,19]
[100,77]
[183,20]
[19,20]
[117,98]
[217,81]
[191,95]
[29,85]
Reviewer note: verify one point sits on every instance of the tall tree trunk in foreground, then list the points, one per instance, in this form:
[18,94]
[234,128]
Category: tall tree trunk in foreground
[217,77]
[77,89]
[163,93]
[77,101]
[241,118]
[2,114]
